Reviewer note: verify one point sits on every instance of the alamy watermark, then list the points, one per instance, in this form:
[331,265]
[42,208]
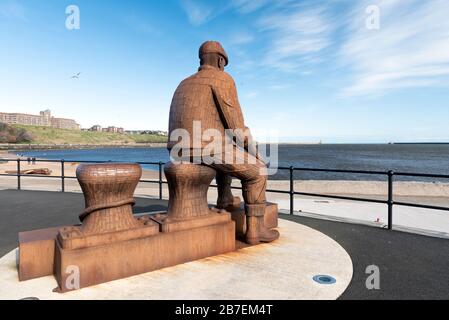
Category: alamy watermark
[372,22]
[72,282]
[373,280]
[73,21]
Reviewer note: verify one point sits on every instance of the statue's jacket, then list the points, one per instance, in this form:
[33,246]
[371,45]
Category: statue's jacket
[195,101]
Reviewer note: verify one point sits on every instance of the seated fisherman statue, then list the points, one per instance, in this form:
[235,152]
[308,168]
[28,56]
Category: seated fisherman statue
[208,100]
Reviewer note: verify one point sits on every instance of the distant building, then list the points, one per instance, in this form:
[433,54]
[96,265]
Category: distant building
[62,123]
[113,129]
[156,132]
[95,128]
[44,119]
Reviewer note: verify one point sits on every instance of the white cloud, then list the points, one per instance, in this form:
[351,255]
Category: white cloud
[411,48]
[248,6]
[200,12]
[241,38]
[13,9]
[197,12]
[298,35]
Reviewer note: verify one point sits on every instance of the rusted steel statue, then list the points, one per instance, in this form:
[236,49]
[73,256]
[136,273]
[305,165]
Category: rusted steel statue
[112,243]
[208,100]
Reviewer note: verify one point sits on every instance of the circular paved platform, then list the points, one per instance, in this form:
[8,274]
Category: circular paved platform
[280,270]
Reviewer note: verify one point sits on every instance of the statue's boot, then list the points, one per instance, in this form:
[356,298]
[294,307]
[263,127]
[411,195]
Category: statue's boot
[256,231]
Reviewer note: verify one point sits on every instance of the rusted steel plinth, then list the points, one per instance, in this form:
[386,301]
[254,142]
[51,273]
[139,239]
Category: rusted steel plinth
[111,243]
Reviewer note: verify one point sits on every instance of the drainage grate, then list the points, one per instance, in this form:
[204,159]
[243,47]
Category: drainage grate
[324,279]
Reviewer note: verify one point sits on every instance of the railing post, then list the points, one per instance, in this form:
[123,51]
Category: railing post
[19,187]
[160,180]
[390,199]
[292,191]
[62,176]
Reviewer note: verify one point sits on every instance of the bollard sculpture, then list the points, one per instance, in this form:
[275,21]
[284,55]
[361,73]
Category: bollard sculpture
[108,192]
[187,205]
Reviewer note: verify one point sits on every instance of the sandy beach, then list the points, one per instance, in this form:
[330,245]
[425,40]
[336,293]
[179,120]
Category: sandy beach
[433,193]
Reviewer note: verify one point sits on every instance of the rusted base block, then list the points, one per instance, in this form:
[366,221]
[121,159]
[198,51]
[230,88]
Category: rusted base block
[36,253]
[80,240]
[98,264]
[168,225]
[270,218]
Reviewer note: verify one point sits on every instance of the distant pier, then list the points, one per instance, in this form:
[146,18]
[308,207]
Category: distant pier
[418,143]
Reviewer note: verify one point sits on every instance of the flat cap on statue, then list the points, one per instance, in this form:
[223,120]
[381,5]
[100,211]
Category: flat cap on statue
[213,47]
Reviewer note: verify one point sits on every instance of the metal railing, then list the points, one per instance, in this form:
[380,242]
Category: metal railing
[390,202]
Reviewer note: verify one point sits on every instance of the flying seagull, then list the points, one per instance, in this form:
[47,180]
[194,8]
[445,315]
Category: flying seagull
[76,76]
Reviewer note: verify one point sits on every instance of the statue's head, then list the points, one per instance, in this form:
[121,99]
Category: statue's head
[212,53]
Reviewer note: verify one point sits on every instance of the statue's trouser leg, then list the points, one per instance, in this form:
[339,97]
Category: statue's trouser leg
[225,198]
[252,173]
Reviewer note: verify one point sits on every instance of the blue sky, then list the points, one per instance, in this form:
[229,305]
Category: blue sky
[305,70]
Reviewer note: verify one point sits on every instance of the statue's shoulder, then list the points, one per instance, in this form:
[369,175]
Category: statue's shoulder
[208,77]
[184,85]
[227,77]
[188,79]
[213,73]
[221,79]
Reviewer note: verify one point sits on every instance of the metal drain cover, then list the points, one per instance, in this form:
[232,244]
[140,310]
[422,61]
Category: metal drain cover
[324,279]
